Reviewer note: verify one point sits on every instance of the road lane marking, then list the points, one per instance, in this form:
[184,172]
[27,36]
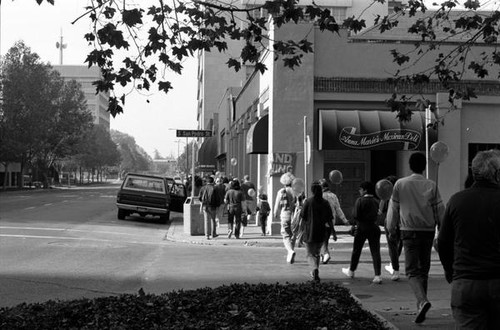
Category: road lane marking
[48,204]
[70,230]
[166,243]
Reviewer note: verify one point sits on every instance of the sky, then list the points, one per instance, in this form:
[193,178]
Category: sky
[153,124]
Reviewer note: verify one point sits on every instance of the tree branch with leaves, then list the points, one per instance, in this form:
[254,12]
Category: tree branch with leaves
[167,32]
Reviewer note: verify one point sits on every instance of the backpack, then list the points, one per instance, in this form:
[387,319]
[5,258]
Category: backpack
[211,197]
[265,208]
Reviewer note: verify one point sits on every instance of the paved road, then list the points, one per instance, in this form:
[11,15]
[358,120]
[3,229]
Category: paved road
[69,244]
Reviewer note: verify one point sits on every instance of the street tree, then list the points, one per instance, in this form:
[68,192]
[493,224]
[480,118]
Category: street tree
[97,152]
[43,116]
[133,157]
[158,36]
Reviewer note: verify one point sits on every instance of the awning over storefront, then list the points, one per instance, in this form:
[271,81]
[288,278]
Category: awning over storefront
[258,136]
[207,154]
[371,130]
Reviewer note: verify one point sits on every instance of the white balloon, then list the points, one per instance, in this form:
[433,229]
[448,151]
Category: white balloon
[234,161]
[439,151]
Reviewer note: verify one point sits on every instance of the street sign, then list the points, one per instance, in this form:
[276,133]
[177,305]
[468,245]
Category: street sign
[193,133]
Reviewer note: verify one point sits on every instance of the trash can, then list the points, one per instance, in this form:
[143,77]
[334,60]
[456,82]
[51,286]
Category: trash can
[193,219]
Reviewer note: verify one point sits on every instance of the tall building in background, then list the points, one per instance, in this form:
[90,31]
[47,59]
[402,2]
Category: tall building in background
[96,103]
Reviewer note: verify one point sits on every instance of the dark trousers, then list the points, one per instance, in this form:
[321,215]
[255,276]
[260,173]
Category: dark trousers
[476,303]
[418,248]
[395,247]
[372,234]
[263,223]
[234,220]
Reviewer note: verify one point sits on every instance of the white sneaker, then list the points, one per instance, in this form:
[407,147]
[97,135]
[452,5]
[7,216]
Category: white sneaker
[290,258]
[326,258]
[395,276]
[389,269]
[377,280]
[347,272]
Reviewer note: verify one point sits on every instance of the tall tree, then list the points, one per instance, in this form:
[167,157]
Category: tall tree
[44,116]
[177,29]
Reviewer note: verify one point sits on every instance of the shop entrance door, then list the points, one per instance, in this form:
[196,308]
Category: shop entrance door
[348,191]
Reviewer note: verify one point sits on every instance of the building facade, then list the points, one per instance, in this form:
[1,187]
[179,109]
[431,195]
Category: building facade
[331,113]
[85,76]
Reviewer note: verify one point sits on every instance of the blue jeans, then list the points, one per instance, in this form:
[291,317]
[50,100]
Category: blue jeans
[418,248]
[286,230]
[312,250]
[234,220]
[476,303]
[209,217]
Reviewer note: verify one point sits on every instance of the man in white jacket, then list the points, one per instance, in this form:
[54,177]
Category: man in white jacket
[415,209]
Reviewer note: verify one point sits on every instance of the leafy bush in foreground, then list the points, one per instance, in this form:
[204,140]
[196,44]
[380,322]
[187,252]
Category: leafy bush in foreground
[237,306]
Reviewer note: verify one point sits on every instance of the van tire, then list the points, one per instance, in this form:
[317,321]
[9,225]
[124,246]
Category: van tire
[165,218]
[121,214]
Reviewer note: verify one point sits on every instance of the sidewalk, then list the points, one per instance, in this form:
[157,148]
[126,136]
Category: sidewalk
[392,301]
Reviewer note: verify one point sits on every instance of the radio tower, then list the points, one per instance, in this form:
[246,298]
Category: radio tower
[60,45]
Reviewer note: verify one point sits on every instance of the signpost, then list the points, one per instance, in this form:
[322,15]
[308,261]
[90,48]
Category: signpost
[193,133]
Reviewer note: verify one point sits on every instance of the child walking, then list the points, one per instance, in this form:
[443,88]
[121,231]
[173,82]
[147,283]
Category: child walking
[264,209]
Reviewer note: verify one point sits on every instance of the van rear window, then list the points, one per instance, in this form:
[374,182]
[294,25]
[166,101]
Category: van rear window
[145,184]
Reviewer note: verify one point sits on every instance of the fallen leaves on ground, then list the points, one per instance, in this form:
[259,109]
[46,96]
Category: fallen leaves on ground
[237,306]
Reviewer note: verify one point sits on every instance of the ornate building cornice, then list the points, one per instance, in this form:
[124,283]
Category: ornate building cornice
[383,86]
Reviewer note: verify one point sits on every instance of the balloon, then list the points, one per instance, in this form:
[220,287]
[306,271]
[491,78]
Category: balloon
[383,188]
[298,186]
[287,178]
[234,161]
[336,177]
[439,152]
[251,192]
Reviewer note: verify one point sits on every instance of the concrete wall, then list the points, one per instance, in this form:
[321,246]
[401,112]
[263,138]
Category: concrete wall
[293,98]
[337,56]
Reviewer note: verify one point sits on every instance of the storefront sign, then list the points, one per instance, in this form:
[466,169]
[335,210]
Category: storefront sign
[281,162]
[372,130]
[349,138]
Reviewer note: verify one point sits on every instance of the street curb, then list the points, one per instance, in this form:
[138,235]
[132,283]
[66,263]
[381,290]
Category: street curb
[386,323]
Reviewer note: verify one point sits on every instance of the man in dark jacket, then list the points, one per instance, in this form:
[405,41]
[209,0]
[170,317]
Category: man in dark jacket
[318,217]
[469,246]
[209,203]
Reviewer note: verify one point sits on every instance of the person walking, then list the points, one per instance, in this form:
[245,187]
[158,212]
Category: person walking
[318,221]
[264,209]
[209,204]
[365,216]
[394,243]
[283,209]
[415,209]
[332,199]
[469,246]
[220,190]
[233,200]
[249,201]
